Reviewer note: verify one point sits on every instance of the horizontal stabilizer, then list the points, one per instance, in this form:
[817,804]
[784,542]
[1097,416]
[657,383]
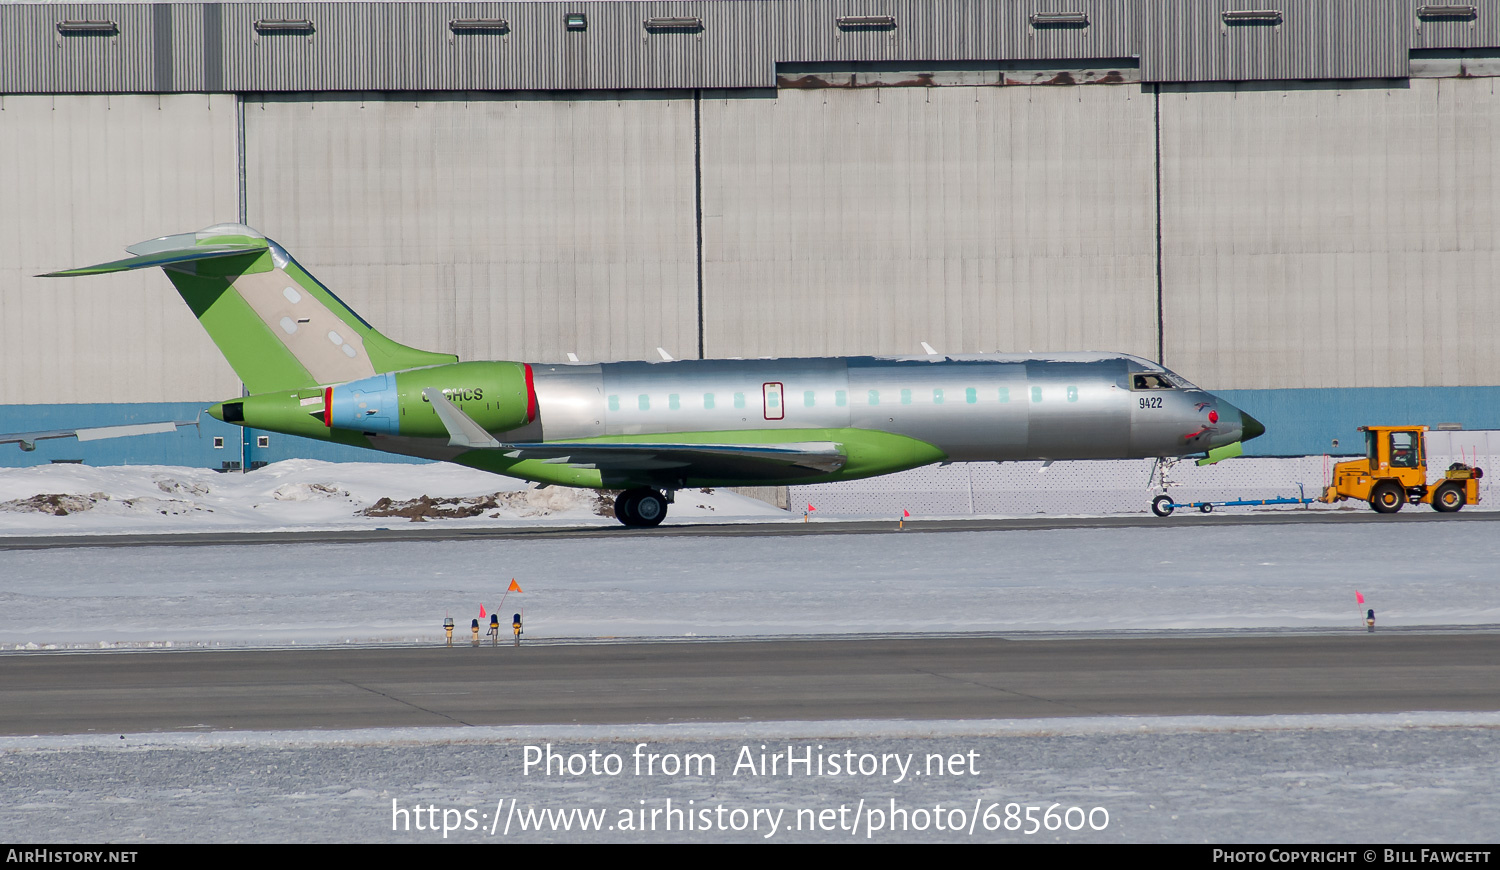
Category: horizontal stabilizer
[28,440]
[165,259]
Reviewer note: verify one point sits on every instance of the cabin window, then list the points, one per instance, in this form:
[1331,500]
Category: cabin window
[645,402]
[874,397]
[739,400]
[708,401]
[1072,394]
[1004,395]
[971,395]
[218,442]
[937,397]
[614,403]
[672,402]
[1149,381]
[840,398]
[1036,394]
[807,399]
[906,397]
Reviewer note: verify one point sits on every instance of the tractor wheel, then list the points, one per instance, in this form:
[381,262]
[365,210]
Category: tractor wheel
[1387,498]
[1448,499]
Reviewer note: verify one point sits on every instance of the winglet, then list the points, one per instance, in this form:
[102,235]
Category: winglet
[462,430]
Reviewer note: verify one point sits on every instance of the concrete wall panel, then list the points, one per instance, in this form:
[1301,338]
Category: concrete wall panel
[81,177]
[494,226]
[1324,235]
[977,219]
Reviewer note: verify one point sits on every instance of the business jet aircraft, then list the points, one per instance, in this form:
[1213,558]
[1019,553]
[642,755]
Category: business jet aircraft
[315,368]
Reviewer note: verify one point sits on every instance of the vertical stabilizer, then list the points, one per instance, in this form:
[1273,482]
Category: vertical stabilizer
[276,324]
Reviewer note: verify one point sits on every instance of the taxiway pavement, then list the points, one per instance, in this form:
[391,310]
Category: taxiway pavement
[907,677]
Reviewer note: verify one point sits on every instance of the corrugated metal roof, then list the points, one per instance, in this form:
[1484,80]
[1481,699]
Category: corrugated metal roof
[1191,40]
[410,46]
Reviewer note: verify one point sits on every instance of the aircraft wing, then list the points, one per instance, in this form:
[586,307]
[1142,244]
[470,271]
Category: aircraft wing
[752,460]
[28,440]
[693,460]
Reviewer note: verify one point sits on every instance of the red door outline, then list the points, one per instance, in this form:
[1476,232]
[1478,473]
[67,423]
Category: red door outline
[773,400]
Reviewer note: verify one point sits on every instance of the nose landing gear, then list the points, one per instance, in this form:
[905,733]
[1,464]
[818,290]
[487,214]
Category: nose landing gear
[642,507]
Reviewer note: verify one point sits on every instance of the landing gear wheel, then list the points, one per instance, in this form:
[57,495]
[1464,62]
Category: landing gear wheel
[1206,508]
[625,507]
[642,507]
[1387,498]
[1162,505]
[1448,498]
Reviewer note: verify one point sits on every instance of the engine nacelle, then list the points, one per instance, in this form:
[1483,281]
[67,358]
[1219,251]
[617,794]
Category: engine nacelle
[497,395]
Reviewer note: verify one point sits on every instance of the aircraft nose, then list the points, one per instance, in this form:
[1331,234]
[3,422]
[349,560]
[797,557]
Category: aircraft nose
[1251,427]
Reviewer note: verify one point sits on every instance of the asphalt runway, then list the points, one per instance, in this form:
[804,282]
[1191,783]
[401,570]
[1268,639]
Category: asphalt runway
[436,531]
[911,678]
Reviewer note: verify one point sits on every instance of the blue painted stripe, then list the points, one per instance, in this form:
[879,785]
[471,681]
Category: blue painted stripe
[1305,422]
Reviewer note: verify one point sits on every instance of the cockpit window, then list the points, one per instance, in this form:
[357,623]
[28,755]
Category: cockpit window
[1150,381]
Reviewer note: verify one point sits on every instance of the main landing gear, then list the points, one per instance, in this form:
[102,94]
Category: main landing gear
[641,507]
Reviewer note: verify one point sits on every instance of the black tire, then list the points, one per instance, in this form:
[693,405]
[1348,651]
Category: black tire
[1206,508]
[1162,505]
[625,507]
[1387,498]
[1449,498]
[641,508]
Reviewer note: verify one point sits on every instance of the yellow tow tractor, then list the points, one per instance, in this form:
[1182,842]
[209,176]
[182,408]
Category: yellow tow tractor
[1394,472]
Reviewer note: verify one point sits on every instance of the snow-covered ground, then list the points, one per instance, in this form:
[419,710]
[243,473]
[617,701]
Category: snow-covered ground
[1387,778]
[1168,577]
[299,494]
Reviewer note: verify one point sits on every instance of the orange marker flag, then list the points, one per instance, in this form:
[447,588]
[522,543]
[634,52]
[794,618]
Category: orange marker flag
[514,586]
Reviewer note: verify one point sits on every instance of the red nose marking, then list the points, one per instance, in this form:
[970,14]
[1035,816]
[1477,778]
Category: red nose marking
[328,407]
[1213,416]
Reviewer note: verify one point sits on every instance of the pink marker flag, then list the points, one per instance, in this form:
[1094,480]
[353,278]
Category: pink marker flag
[481,611]
[905,512]
[811,508]
[1359,596]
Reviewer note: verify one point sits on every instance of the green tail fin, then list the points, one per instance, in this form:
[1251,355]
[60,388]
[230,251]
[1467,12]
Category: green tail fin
[275,323]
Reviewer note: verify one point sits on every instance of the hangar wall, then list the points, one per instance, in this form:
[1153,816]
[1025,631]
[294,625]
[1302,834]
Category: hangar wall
[495,226]
[80,177]
[867,220]
[1332,234]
